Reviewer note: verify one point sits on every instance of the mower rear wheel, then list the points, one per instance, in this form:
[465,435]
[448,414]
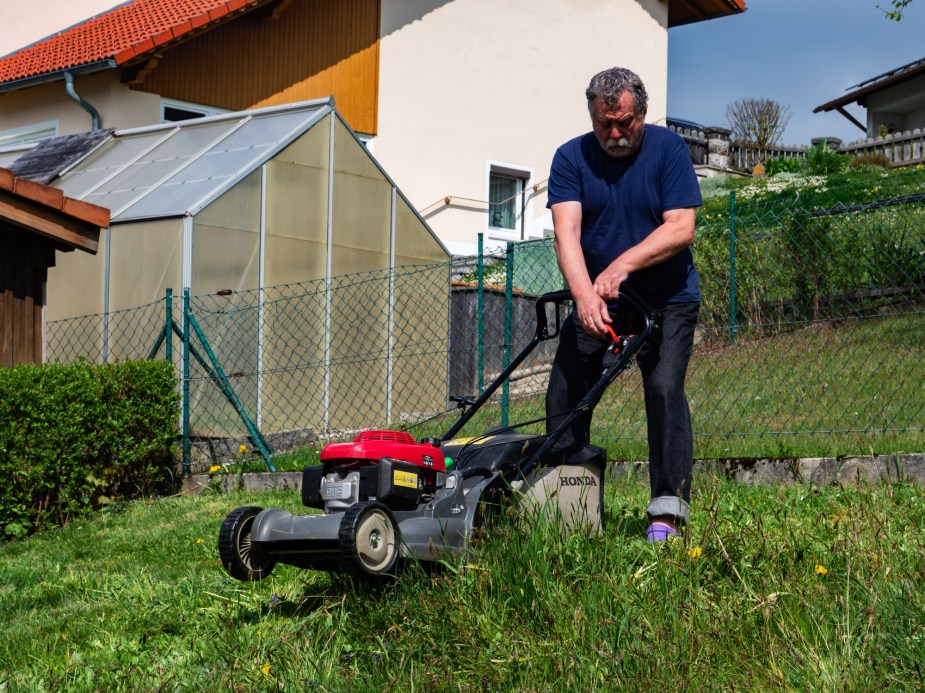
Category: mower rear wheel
[241,558]
[369,540]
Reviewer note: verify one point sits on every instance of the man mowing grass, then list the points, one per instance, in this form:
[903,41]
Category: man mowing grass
[623,199]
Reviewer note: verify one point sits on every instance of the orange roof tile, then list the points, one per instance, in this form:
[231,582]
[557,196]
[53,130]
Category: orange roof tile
[121,34]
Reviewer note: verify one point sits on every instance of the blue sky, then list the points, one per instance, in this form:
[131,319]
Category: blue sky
[801,53]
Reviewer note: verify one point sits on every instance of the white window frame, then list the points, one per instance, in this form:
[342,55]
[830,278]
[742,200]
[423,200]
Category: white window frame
[28,134]
[523,210]
[201,110]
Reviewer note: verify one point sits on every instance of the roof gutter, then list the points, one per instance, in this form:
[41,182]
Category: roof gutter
[72,93]
[47,77]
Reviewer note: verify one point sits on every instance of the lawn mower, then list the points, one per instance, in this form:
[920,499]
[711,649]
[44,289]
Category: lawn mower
[387,497]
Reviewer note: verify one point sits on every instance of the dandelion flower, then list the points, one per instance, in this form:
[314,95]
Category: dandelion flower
[200,540]
[265,669]
[820,570]
[215,468]
[242,449]
[695,552]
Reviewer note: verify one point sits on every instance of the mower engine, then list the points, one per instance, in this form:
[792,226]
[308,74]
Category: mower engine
[385,466]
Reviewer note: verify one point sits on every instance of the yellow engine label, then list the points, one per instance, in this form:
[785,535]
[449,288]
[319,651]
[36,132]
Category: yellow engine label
[406,479]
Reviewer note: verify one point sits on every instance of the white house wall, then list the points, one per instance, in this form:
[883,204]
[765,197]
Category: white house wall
[118,106]
[899,108]
[38,19]
[466,82]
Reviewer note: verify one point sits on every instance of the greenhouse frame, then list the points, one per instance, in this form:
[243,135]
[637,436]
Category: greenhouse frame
[232,205]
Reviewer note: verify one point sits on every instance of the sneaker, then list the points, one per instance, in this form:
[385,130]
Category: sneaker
[658,532]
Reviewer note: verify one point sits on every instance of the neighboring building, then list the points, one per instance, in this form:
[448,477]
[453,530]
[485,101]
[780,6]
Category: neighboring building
[895,101]
[463,101]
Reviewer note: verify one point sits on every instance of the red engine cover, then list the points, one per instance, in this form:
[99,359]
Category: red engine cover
[372,445]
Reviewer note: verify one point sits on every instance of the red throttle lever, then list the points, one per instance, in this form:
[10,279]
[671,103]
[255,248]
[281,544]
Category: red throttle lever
[614,337]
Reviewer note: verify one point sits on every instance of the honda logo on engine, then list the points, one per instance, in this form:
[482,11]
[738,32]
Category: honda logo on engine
[577,481]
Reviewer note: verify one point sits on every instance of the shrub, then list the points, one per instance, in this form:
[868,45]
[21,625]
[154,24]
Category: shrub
[821,159]
[784,164]
[869,161]
[74,437]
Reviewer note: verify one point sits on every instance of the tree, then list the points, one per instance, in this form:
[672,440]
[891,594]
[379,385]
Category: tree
[898,6]
[757,122]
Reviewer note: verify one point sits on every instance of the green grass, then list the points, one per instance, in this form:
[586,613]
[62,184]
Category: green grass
[851,388]
[135,599]
[824,390]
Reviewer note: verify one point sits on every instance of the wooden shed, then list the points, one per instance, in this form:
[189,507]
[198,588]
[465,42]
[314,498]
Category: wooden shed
[36,221]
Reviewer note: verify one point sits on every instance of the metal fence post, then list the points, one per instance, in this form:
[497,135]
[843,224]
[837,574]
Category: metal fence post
[508,314]
[168,331]
[186,402]
[480,274]
[732,265]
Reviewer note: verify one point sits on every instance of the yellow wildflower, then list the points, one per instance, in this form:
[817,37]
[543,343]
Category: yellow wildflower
[265,669]
[215,468]
[200,540]
[695,552]
[243,449]
[820,570]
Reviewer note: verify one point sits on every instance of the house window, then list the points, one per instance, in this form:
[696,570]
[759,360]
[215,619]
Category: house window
[507,200]
[173,111]
[29,134]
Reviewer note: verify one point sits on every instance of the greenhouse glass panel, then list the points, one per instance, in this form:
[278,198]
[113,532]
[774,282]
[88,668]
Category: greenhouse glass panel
[293,364]
[75,284]
[226,240]
[294,317]
[145,260]
[414,242]
[297,210]
[359,347]
[420,341]
[113,156]
[362,208]
[226,247]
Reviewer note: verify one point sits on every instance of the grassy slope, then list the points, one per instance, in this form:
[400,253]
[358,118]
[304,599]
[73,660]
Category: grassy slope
[132,599]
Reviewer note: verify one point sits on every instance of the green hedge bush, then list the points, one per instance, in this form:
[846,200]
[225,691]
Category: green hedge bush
[75,437]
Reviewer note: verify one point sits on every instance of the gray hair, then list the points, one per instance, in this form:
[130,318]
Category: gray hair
[610,84]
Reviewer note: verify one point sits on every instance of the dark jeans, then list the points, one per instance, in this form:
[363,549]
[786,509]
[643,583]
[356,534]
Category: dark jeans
[663,362]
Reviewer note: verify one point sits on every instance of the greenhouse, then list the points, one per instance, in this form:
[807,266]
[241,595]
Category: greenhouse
[230,206]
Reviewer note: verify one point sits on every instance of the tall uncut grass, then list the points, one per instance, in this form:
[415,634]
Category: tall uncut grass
[786,587]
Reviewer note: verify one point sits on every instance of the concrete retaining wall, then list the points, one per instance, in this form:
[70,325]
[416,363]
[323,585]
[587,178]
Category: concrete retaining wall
[818,471]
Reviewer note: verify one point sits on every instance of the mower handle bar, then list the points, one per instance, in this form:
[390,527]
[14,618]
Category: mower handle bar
[542,334]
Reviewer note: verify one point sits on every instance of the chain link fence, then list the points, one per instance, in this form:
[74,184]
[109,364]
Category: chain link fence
[811,340]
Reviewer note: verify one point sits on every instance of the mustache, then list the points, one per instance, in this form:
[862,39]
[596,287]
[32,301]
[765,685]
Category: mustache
[622,142]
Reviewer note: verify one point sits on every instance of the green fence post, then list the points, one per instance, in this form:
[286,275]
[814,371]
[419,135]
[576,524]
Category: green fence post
[168,333]
[732,265]
[480,274]
[508,312]
[186,402]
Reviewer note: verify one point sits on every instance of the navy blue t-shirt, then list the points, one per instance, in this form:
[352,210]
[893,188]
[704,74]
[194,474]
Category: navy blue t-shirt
[622,202]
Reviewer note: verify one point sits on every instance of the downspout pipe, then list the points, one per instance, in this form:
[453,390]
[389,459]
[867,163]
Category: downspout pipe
[72,93]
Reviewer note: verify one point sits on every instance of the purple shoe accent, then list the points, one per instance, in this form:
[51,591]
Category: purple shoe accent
[658,532]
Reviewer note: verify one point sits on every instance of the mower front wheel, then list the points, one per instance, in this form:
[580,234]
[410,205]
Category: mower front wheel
[241,558]
[368,540]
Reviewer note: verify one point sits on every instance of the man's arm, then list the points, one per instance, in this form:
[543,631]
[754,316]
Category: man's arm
[674,235]
[590,307]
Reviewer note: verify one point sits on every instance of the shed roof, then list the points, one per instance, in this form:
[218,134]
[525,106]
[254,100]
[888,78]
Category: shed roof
[46,211]
[870,86]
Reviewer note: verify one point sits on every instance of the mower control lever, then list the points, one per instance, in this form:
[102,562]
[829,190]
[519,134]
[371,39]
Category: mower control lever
[462,401]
